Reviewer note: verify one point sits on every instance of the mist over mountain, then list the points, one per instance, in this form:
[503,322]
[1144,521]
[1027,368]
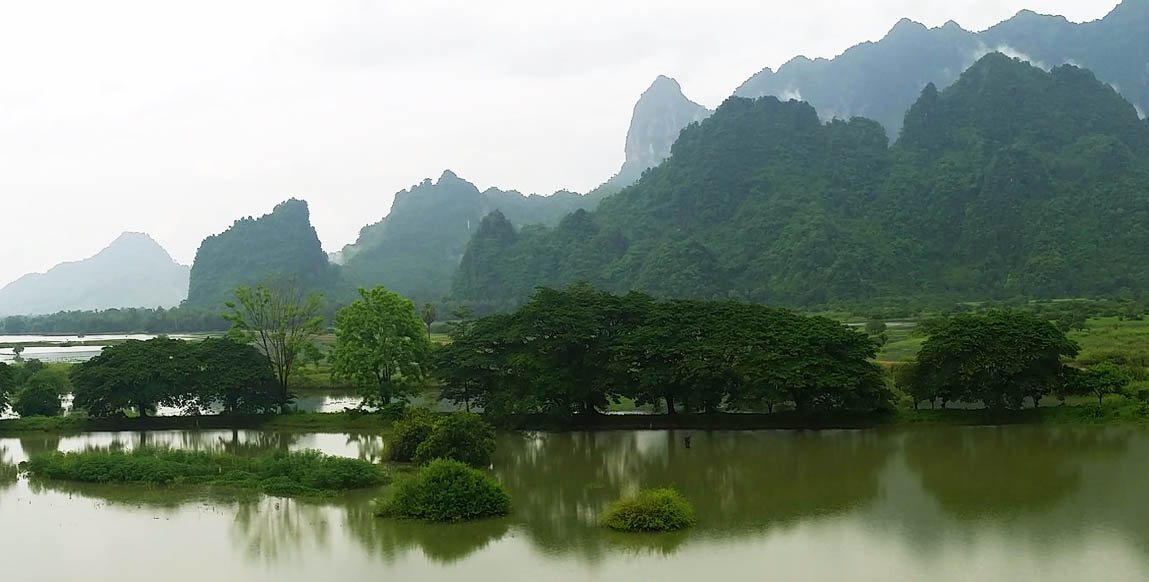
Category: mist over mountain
[282,243]
[880,80]
[132,271]
[1011,182]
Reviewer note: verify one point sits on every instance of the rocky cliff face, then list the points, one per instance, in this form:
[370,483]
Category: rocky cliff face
[659,116]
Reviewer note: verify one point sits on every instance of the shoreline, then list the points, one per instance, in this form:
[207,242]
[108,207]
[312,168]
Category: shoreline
[1127,414]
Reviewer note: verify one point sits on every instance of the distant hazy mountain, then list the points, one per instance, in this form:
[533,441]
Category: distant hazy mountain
[281,244]
[659,116]
[133,271]
[1011,182]
[880,80]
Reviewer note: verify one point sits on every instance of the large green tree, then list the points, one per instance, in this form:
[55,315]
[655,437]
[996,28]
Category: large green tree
[998,358]
[279,317]
[136,375]
[381,344]
[232,377]
[573,351]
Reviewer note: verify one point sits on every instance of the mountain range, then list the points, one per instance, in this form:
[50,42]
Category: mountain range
[880,80]
[132,271]
[827,211]
[1011,182]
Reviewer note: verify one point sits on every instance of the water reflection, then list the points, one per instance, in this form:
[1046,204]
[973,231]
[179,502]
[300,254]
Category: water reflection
[1006,471]
[391,539]
[739,483]
[273,528]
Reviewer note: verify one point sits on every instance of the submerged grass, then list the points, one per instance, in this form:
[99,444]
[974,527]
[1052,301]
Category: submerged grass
[650,510]
[283,474]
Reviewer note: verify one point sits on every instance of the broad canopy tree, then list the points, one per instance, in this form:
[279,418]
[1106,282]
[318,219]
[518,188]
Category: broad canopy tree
[215,374]
[999,359]
[577,350]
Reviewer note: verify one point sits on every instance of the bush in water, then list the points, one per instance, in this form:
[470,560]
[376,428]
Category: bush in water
[462,436]
[446,490]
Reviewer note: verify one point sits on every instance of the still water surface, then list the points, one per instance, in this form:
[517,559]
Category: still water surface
[1012,503]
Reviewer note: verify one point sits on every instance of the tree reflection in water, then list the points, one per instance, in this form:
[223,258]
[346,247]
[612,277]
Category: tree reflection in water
[740,483]
[1000,472]
[273,528]
[390,539]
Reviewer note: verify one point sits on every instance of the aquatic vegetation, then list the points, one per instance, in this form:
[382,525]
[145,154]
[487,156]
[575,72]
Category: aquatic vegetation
[410,432]
[446,490]
[650,510]
[285,474]
[462,436]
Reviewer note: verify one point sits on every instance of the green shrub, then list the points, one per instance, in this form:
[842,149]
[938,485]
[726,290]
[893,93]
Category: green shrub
[650,510]
[410,432]
[462,436]
[280,473]
[446,490]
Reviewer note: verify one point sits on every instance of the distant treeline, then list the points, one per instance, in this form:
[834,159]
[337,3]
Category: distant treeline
[131,320]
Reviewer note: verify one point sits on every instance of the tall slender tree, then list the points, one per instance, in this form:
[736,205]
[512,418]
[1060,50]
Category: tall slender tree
[280,318]
[428,316]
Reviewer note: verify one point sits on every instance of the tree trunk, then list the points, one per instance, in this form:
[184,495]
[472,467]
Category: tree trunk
[1100,395]
[770,407]
[670,404]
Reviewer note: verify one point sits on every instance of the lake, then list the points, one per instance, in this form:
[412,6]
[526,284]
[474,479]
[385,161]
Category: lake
[946,503]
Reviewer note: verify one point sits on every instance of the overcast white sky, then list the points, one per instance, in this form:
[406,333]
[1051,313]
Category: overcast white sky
[176,118]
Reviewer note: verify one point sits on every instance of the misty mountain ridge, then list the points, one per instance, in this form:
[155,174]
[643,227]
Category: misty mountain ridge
[132,271]
[1011,182]
[880,80]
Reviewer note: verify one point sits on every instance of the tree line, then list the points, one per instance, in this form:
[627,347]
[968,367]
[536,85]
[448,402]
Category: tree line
[574,351]
[130,320]
[578,350]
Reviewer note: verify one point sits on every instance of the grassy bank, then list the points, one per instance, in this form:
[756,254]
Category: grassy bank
[287,474]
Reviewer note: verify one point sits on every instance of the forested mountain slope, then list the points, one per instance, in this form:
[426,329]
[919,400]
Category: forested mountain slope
[1013,181]
[280,244]
[416,248]
[880,80]
[133,271]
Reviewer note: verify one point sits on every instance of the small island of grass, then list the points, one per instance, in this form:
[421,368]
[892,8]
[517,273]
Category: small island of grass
[650,510]
[446,490]
[283,474]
